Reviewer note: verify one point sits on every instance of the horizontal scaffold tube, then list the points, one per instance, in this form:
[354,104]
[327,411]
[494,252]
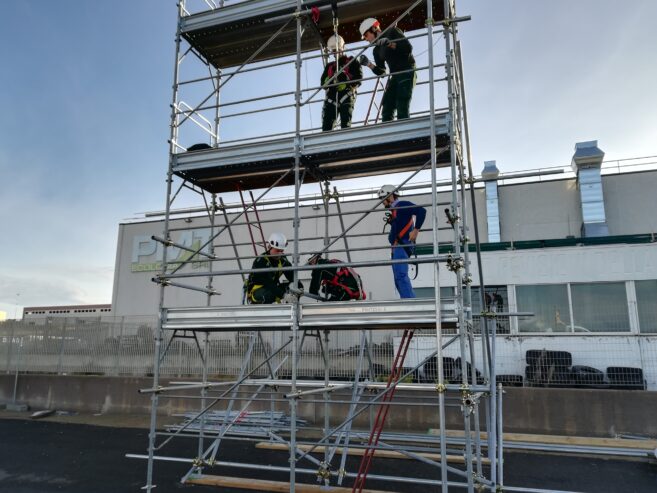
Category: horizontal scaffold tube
[293,60]
[371,263]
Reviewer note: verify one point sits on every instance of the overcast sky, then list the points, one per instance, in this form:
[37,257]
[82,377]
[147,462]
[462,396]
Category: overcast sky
[86,86]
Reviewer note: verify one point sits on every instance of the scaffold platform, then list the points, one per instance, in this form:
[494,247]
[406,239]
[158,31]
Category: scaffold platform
[371,315]
[214,33]
[391,147]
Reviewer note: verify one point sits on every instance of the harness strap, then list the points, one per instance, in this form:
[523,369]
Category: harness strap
[347,271]
[403,232]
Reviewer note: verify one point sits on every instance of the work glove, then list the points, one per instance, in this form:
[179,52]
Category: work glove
[288,299]
[363,60]
[382,42]
[342,87]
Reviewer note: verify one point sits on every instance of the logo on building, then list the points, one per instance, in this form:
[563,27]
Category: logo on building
[147,254]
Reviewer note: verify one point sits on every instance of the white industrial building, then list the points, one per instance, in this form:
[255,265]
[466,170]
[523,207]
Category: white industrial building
[574,246]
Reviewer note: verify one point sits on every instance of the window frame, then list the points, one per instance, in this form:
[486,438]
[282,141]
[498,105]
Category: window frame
[630,305]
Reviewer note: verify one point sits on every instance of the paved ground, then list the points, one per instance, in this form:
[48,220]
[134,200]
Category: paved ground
[50,456]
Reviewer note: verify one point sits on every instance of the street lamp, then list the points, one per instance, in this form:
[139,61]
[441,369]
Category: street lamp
[16,306]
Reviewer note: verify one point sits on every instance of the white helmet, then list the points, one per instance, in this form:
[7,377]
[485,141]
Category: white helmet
[277,240]
[332,45]
[386,190]
[368,24]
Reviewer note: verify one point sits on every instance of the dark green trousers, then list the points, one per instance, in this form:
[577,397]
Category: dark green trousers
[345,106]
[397,98]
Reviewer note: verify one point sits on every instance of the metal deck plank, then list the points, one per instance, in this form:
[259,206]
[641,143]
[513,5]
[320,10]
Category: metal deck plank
[373,315]
[375,149]
[213,32]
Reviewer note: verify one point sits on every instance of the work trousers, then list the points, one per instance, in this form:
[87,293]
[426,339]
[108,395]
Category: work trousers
[266,295]
[345,107]
[400,272]
[397,98]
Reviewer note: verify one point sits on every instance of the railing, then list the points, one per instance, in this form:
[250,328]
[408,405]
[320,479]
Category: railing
[117,346]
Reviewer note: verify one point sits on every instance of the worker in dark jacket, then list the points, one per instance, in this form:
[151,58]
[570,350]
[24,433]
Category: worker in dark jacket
[266,287]
[337,283]
[392,48]
[340,98]
[405,221]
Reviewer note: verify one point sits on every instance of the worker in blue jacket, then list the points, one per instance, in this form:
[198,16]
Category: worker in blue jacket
[405,221]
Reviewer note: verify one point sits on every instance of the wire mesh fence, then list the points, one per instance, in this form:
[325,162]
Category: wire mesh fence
[125,346]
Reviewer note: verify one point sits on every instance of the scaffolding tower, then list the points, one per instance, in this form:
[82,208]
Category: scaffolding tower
[246,37]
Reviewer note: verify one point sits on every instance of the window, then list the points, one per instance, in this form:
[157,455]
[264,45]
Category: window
[646,300]
[496,299]
[548,303]
[600,307]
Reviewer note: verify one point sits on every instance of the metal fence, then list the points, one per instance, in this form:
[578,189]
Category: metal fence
[124,346]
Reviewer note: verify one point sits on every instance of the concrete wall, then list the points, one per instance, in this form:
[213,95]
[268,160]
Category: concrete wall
[631,202]
[526,410]
[539,210]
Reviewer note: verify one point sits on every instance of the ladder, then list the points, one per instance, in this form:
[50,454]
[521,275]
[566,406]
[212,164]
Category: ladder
[255,226]
[373,103]
[382,414]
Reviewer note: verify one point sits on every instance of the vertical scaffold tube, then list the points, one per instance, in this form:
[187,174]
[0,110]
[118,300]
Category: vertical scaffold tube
[295,260]
[436,273]
[173,135]
[206,336]
[457,246]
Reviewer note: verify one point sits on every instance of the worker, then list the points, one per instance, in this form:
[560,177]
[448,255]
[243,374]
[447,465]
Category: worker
[266,287]
[393,48]
[340,98]
[405,220]
[337,283]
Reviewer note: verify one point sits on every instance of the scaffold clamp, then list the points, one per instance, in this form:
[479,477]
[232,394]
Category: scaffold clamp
[161,281]
[454,264]
[324,471]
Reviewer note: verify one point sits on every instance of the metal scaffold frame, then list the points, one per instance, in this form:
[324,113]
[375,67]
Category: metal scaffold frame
[467,461]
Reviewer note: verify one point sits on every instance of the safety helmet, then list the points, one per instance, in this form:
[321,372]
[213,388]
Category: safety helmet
[334,45]
[277,240]
[386,190]
[368,24]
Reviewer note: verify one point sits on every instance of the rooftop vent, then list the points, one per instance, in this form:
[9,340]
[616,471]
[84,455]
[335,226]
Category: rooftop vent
[489,175]
[587,162]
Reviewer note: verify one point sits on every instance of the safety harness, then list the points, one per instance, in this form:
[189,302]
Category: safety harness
[250,287]
[331,71]
[339,281]
[400,235]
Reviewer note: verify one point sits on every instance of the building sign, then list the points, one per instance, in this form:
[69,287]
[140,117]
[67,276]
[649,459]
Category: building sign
[147,253]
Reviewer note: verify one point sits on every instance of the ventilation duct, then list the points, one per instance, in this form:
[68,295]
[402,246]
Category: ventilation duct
[489,175]
[587,162]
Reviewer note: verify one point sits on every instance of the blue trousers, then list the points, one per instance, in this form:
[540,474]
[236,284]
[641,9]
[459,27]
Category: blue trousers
[400,272]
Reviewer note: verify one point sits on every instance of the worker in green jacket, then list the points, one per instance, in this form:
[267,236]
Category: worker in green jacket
[392,48]
[339,98]
[266,287]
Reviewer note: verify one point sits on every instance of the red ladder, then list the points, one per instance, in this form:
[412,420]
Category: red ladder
[255,226]
[382,414]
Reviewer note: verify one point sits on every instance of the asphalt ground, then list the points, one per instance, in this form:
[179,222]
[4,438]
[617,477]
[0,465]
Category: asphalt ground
[48,456]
